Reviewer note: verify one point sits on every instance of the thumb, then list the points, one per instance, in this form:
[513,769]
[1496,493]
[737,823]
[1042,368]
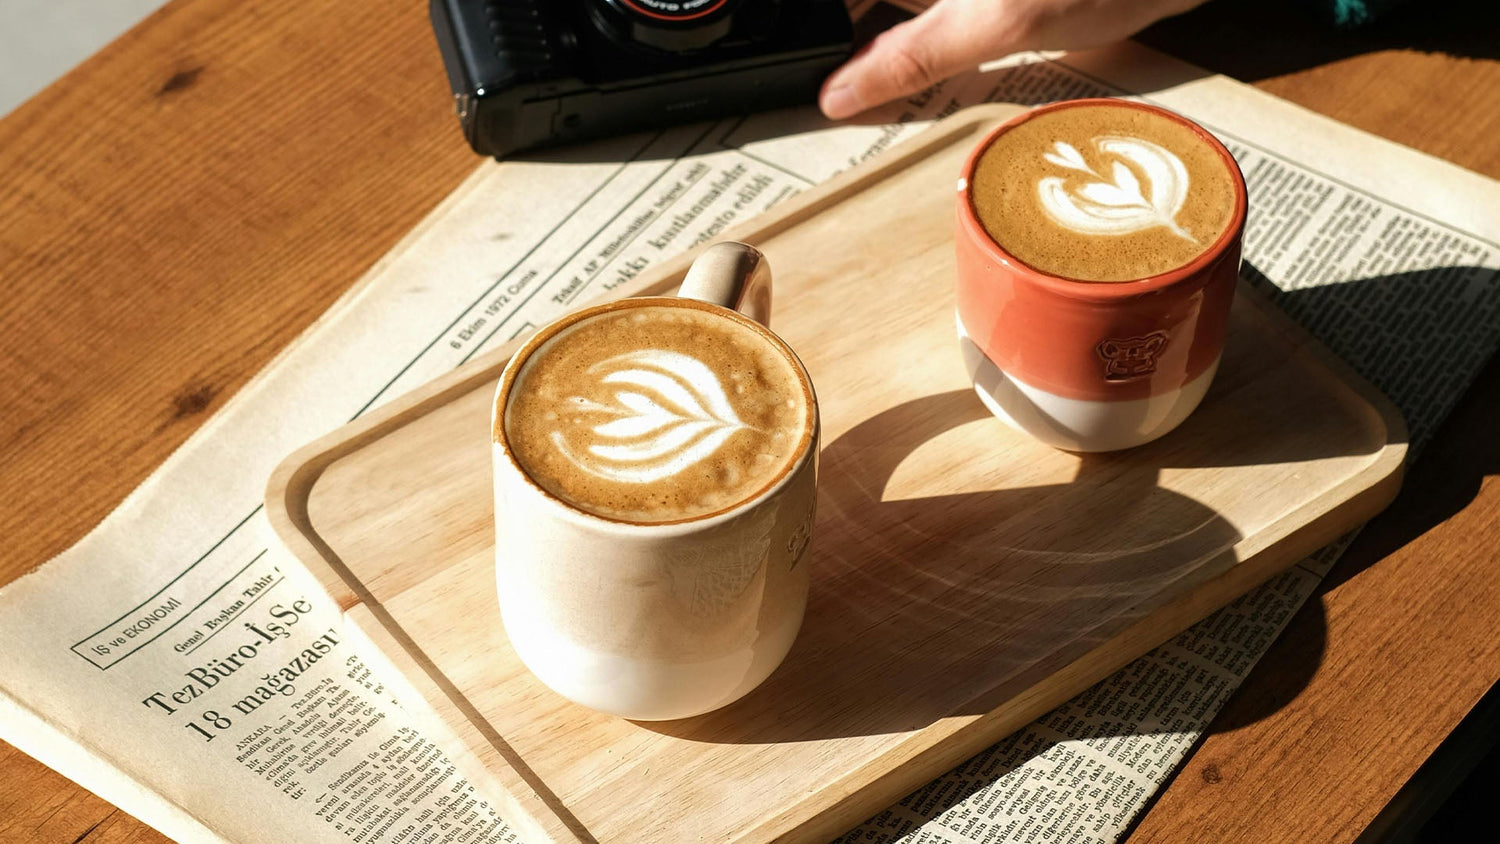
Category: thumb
[950,37]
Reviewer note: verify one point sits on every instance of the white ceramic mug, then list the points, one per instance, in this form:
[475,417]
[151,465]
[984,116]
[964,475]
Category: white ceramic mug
[657,621]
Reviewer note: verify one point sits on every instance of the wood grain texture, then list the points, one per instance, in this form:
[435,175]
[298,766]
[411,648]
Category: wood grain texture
[39,804]
[177,210]
[112,352]
[966,578]
[1329,725]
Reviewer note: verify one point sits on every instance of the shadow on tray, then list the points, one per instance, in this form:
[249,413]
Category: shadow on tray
[1069,561]
[1344,316]
[933,606]
[929,606]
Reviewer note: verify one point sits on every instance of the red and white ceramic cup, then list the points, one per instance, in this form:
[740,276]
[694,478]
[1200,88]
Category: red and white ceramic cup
[1092,366]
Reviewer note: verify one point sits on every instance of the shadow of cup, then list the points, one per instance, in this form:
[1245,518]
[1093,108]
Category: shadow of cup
[928,605]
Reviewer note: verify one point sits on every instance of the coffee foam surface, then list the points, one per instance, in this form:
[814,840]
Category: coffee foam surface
[657,413]
[1103,193]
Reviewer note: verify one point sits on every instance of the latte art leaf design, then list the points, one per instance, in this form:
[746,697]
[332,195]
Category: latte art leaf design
[669,411]
[1120,203]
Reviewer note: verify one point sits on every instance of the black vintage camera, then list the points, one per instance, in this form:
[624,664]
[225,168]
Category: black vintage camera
[534,73]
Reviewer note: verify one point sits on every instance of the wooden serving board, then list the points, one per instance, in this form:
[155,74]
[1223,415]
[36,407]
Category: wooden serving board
[965,578]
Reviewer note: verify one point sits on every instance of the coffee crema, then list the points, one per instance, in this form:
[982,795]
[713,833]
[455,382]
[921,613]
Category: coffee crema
[1103,193]
[659,412]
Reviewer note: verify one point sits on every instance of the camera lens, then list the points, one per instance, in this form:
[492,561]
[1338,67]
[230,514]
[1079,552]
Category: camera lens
[671,25]
[664,10]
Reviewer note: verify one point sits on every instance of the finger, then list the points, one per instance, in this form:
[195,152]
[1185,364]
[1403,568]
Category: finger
[949,38]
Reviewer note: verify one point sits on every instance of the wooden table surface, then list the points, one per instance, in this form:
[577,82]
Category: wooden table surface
[177,209]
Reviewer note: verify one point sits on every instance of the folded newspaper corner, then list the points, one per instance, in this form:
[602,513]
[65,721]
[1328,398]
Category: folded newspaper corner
[183,665]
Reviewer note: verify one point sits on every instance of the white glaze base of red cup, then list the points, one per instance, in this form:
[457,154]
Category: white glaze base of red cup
[1079,424]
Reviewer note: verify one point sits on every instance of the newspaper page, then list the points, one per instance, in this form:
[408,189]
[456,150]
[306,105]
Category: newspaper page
[183,665]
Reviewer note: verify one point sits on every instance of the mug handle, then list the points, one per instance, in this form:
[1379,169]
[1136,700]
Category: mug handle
[732,275]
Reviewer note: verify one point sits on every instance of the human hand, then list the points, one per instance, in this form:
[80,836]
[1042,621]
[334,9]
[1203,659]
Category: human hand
[958,35]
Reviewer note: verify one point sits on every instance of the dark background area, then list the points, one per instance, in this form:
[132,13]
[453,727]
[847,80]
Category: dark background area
[1292,35]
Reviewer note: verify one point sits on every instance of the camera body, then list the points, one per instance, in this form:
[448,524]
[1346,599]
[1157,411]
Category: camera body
[535,73]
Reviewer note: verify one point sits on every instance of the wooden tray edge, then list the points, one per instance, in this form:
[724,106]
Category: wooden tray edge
[884,780]
[1386,469]
[1356,500]
[520,797]
[856,796]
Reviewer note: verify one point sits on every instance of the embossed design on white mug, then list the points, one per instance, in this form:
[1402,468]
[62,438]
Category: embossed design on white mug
[1120,203]
[670,412]
[796,544]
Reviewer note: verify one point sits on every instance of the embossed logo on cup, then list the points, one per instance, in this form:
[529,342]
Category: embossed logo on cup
[796,544]
[670,412]
[1132,357]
